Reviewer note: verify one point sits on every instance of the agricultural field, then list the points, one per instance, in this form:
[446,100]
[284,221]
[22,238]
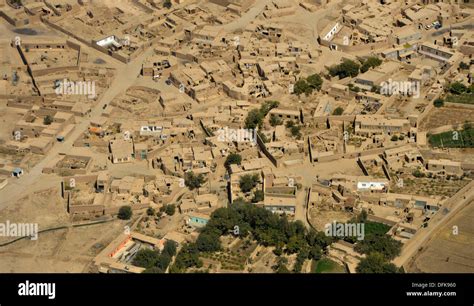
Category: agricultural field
[465,98]
[448,252]
[452,115]
[428,186]
[326,265]
[233,258]
[453,139]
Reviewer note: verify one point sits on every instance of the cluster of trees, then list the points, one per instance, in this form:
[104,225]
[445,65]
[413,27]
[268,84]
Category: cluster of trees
[308,85]
[379,243]
[397,137]
[379,247]
[370,62]
[255,116]
[274,120]
[376,263]
[248,182]
[232,158]
[168,209]
[154,261]
[349,68]
[375,239]
[458,88]
[258,196]
[281,265]
[294,129]
[125,213]
[266,228]
[193,181]
[187,257]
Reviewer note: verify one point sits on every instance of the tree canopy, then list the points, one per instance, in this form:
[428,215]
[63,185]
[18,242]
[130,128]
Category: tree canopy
[370,62]
[125,213]
[381,243]
[376,263]
[248,182]
[233,158]
[308,85]
[345,69]
[193,181]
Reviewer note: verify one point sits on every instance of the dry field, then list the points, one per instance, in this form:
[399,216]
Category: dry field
[64,250]
[446,252]
[446,116]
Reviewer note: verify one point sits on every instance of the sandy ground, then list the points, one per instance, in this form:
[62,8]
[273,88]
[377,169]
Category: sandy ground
[68,250]
[447,252]
[64,250]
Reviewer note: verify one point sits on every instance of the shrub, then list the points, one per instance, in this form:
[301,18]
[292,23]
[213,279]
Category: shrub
[125,213]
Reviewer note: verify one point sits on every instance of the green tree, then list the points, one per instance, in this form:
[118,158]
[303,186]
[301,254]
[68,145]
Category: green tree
[315,252]
[193,181]
[300,258]
[170,248]
[362,217]
[301,86]
[289,124]
[347,68]
[338,111]
[154,270]
[457,88]
[315,81]
[463,66]
[146,258]
[170,209]
[125,213]
[167,4]
[47,120]
[376,263]
[258,196]
[296,131]
[278,251]
[381,243]
[371,62]
[254,119]
[248,182]
[280,266]
[233,158]
[163,261]
[208,242]
[438,102]
[295,244]
[267,106]
[274,120]
[150,211]
[186,258]
[418,173]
